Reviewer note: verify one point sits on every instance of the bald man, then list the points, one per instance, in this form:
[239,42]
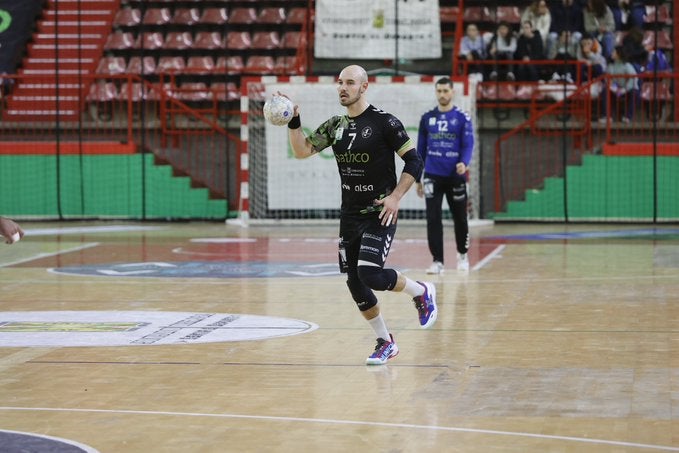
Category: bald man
[364,142]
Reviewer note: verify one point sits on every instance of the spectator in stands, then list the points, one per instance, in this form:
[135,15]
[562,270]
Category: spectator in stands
[567,16]
[632,13]
[528,48]
[564,51]
[623,91]
[633,47]
[10,230]
[589,52]
[473,48]
[537,13]
[502,47]
[598,21]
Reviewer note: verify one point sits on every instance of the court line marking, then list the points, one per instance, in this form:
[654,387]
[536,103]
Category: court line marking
[352,422]
[486,259]
[46,255]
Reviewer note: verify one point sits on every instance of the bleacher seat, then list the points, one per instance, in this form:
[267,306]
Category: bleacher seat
[243,15]
[170,64]
[293,40]
[225,92]
[208,40]
[286,65]
[259,64]
[102,92]
[473,14]
[238,40]
[119,40]
[214,16]
[271,15]
[200,65]
[111,65]
[151,41]
[661,92]
[663,14]
[127,17]
[176,40]
[296,16]
[510,14]
[186,16]
[192,92]
[664,40]
[134,66]
[266,40]
[448,14]
[233,64]
[134,92]
[157,16]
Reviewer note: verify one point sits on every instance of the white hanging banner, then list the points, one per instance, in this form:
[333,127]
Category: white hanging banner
[360,29]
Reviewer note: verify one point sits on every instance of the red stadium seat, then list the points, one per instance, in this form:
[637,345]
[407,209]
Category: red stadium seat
[266,40]
[473,14]
[259,64]
[241,15]
[238,40]
[214,16]
[186,16]
[661,92]
[199,65]
[448,14]
[232,64]
[287,65]
[111,65]
[225,92]
[119,40]
[293,40]
[127,17]
[178,41]
[663,14]
[664,40]
[510,14]
[103,92]
[150,41]
[134,92]
[134,66]
[157,16]
[297,16]
[208,40]
[169,64]
[193,92]
[271,15]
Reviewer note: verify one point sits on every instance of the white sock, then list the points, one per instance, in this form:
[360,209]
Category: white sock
[380,327]
[413,288]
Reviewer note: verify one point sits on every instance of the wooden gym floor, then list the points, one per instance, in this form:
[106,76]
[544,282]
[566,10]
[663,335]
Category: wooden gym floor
[206,337]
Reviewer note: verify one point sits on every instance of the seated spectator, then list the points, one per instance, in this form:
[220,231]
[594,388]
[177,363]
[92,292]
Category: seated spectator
[537,13]
[567,16]
[528,48]
[632,13]
[633,47]
[598,21]
[473,48]
[589,52]
[565,52]
[623,91]
[502,47]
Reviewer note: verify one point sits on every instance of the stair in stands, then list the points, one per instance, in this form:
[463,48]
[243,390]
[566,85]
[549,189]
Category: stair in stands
[67,44]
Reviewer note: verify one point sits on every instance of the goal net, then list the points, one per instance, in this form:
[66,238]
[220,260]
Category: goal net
[275,185]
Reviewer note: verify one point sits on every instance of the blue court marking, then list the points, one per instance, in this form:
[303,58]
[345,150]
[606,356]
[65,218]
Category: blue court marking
[641,233]
[202,269]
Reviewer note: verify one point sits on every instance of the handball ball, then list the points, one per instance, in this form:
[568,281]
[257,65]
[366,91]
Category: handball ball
[278,110]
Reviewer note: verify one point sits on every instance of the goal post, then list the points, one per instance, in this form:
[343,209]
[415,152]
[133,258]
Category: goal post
[275,185]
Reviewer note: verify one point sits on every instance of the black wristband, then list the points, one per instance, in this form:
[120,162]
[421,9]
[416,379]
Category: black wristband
[295,123]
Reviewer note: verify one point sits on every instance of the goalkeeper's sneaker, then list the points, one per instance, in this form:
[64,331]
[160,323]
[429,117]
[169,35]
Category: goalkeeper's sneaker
[384,350]
[435,268]
[462,262]
[426,305]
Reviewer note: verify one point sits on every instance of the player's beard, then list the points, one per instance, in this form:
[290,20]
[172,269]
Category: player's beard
[445,102]
[349,100]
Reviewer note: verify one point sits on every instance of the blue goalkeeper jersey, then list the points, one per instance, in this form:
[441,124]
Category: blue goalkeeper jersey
[444,139]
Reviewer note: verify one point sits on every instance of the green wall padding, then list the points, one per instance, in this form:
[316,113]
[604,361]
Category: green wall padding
[100,186]
[605,188]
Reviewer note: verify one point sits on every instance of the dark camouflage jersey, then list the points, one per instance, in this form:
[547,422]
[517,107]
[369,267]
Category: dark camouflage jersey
[364,148]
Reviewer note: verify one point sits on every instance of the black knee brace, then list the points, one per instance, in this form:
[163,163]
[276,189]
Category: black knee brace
[377,278]
[365,299]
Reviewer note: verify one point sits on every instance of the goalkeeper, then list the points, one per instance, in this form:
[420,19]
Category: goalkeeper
[364,142]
